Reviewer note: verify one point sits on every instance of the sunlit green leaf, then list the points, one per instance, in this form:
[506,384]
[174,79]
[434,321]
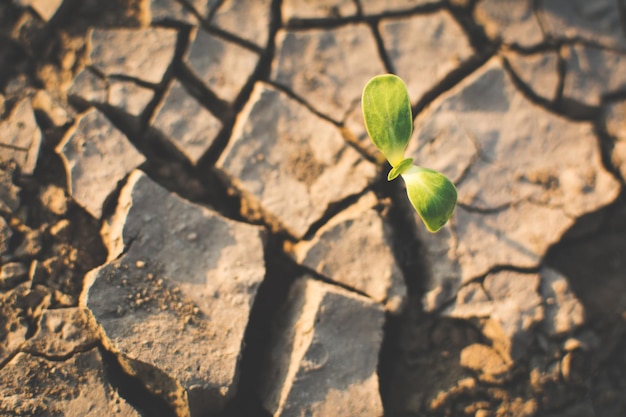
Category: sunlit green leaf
[432,194]
[399,169]
[387,114]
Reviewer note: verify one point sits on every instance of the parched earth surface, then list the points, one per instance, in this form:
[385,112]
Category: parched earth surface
[193,221]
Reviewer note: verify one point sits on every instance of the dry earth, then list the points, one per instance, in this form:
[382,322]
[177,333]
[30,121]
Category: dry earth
[193,221]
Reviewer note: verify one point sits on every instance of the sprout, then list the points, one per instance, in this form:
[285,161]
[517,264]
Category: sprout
[389,122]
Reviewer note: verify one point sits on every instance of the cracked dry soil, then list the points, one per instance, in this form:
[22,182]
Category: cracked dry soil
[194,223]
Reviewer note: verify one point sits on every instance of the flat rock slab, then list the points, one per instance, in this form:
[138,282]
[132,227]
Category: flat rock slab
[21,137]
[598,21]
[324,354]
[513,21]
[291,162]
[424,49]
[144,54]
[125,95]
[319,9]
[374,7]
[179,297]
[186,123]
[44,8]
[539,72]
[223,66]
[35,386]
[96,156]
[523,176]
[327,68]
[354,249]
[256,14]
[592,72]
[175,10]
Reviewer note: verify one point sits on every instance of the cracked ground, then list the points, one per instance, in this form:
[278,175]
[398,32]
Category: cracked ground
[193,221]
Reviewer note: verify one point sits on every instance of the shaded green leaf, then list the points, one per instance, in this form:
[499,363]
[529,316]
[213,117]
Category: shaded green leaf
[432,194]
[387,114]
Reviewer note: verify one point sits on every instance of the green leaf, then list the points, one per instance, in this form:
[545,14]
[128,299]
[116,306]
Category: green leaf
[387,114]
[432,194]
[399,169]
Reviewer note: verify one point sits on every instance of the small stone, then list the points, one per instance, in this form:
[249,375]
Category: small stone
[30,246]
[306,164]
[319,9]
[424,49]
[63,332]
[96,156]
[61,230]
[324,355]
[573,344]
[564,312]
[573,367]
[140,264]
[188,294]
[327,68]
[77,386]
[12,274]
[354,249]
[53,199]
[142,54]
[186,123]
[486,362]
[256,14]
[513,21]
[21,137]
[223,66]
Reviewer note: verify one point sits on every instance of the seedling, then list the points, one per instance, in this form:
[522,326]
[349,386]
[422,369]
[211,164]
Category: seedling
[389,122]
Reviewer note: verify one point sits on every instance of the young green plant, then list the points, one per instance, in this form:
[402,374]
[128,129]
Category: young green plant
[389,122]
